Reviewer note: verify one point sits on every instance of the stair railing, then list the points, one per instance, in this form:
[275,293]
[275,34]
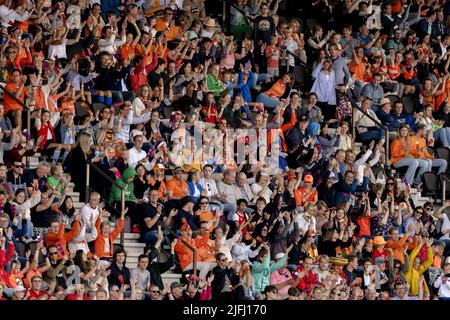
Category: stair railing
[378,124]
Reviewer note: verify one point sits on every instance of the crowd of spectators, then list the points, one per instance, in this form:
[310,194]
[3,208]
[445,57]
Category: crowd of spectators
[232,135]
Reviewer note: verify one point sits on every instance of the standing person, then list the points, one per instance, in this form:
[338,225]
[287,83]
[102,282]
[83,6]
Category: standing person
[120,274]
[224,275]
[264,25]
[104,244]
[325,88]
[262,267]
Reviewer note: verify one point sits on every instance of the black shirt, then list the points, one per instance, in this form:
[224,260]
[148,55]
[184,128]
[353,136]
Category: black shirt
[264,28]
[149,212]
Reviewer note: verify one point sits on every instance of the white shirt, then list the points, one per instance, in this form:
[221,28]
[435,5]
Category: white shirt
[445,226]
[110,45]
[89,214]
[7,15]
[210,186]
[124,133]
[304,225]
[444,289]
[134,156]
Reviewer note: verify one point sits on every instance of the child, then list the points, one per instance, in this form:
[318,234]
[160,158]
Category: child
[272,54]
[16,274]
[378,248]
[45,128]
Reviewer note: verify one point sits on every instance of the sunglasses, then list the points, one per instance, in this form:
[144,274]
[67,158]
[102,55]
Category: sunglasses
[53,253]
[19,166]
[223,260]
[428,209]
[397,267]
[390,183]
[155,291]
[203,202]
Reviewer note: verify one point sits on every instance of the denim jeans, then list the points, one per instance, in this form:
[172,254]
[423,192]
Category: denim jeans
[121,96]
[436,163]
[412,165]
[375,134]
[423,167]
[260,78]
[443,136]
[149,237]
[269,102]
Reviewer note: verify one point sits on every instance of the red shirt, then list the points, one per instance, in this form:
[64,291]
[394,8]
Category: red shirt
[379,253]
[308,281]
[37,295]
[74,297]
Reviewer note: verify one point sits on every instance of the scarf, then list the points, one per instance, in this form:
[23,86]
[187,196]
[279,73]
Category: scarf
[44,132]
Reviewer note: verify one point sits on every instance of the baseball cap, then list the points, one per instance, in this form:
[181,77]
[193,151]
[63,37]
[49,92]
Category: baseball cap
[303,118]
[178,170]
[159,166]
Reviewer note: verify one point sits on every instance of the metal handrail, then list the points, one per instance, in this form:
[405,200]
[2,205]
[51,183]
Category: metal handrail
[194,250]
[378,123]
[90,164]
[443,188]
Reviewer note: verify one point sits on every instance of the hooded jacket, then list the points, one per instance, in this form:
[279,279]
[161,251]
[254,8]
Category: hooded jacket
[116,190]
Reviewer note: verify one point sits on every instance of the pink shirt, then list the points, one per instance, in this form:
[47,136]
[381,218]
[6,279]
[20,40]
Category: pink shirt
[280,276]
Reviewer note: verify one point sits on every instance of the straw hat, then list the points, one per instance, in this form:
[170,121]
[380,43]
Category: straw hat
[384,101]
[210,22]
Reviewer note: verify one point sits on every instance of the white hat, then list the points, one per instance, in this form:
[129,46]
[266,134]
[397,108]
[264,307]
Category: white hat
[279,256]
[19,288]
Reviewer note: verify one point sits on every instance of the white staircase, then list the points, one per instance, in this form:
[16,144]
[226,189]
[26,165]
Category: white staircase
[132,246]
[415,195]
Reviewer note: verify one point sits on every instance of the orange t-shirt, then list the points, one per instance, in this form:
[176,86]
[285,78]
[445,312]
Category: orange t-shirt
[300,193]
[127,52]
[207,216]
[358,69]
[162,187]
[277,89]
[178,189]
[11,104]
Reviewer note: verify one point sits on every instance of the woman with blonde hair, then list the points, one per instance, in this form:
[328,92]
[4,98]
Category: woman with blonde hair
[142,101]
[80,155]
